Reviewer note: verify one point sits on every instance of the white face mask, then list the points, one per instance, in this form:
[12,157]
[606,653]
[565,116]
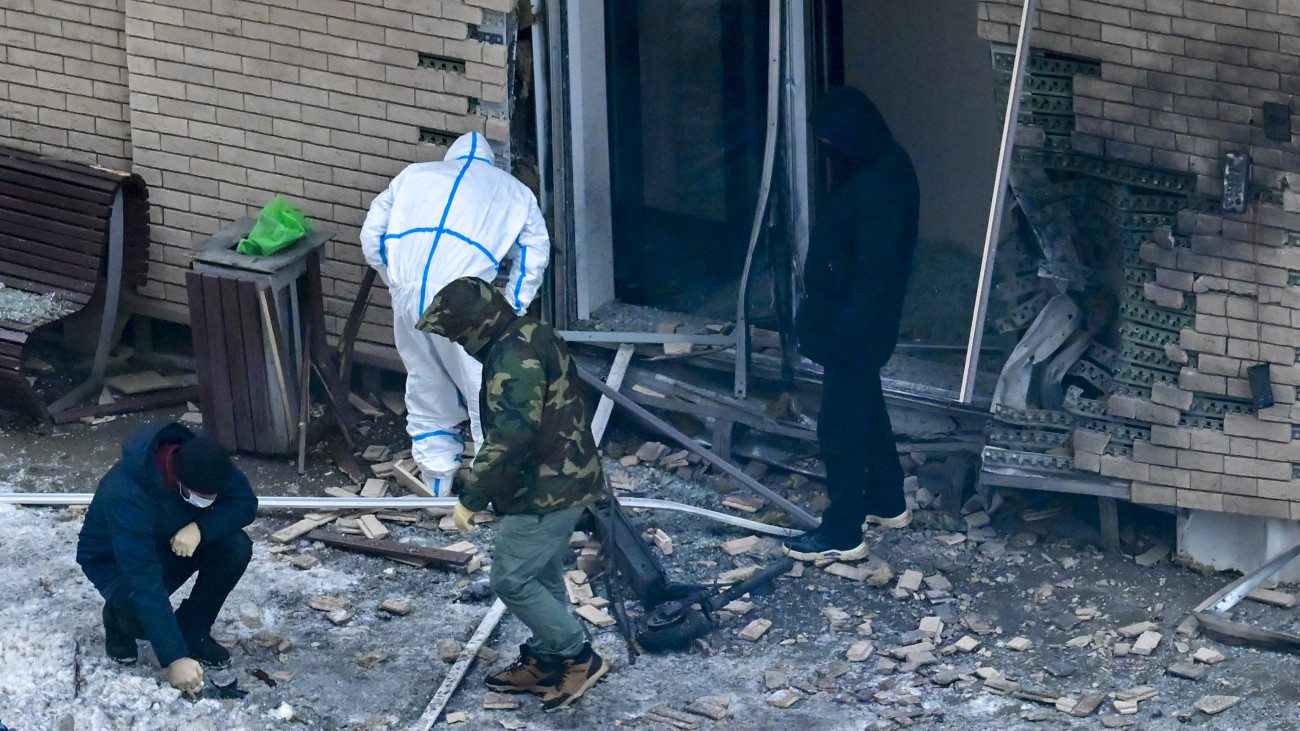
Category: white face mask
[195,500]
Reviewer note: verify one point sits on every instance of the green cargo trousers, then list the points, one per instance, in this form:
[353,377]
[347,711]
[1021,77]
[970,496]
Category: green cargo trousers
[528,576]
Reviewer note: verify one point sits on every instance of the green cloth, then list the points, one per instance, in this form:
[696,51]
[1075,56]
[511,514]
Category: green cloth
[528,576]
[278,225]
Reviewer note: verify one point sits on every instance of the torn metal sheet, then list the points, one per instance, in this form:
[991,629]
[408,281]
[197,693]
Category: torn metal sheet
[1053,326]
[1049,218]
[1210,613]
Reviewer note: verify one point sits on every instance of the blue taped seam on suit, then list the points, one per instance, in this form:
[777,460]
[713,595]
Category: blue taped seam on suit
[428,434]
[471,157]
[439,230]
[523,270]
[424,283]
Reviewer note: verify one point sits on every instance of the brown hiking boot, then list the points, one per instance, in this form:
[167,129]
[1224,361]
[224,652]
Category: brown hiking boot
[525,675]
[577,675]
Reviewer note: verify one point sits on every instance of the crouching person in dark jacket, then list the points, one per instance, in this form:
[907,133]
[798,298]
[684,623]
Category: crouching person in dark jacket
[172,506]
[538,467]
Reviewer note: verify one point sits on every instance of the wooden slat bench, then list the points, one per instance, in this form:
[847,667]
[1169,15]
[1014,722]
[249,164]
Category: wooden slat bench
[69,234]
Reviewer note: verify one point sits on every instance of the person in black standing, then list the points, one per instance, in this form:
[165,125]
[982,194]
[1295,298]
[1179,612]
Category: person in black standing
[855,274]
[172,506]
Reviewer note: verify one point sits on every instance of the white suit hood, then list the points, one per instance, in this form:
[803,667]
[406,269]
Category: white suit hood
[467,144]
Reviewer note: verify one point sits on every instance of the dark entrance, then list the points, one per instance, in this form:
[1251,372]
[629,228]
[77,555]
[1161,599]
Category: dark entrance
[686,120]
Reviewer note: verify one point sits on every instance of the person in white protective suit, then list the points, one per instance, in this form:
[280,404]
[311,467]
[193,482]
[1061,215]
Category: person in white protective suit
[437,222]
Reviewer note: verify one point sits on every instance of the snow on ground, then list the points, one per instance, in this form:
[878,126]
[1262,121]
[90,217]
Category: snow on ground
[51,608]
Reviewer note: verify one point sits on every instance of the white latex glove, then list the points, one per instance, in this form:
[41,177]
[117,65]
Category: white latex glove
[186,675]
[186,540]
[462,516]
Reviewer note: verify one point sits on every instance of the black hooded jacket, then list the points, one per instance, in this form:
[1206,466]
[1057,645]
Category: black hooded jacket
[860,250]
[130,524]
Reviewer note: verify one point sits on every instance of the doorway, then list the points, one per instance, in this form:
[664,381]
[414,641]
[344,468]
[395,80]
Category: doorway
[686,85]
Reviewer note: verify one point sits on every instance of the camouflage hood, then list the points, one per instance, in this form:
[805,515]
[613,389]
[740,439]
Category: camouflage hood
[469,311]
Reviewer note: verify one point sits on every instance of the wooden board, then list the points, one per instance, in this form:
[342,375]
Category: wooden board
[254,339]
[219,413]
[239,396]
[441,558]
[202,346]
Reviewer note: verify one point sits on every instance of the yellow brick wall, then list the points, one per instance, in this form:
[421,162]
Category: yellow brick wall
[63,80]
[220,104]
[322,102]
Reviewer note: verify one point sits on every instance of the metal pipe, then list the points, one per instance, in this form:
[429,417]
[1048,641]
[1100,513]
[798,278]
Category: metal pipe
[638,338]
[541,104]
[64,499]
[760,208]
[800,515]
[998,204]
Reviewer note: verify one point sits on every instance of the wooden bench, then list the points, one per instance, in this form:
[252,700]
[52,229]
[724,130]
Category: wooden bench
[70,234]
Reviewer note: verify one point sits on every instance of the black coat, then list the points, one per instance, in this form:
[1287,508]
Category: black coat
[860,250]
[131,521]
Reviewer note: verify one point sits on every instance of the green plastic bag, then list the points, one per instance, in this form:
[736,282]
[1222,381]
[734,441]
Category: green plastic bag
[278,225]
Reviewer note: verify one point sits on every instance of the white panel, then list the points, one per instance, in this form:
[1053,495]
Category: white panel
[589,139]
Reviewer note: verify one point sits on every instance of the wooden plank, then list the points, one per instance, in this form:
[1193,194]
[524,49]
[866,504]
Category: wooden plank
[24,186]
[234,337]
[259,396]
[130,405]
[308,524]
[69,195]
[53,247]
[441,558]
[615,380]
[42,281]
[83,176]
[18,223]
[46,209]
[199,335]
[458,670]
[56,251]
[20,237]
[371,527]
[12,335]
[222,414]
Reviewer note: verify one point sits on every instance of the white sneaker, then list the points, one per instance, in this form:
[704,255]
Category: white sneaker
[902,520]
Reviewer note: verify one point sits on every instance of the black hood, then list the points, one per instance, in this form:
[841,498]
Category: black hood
[847,120]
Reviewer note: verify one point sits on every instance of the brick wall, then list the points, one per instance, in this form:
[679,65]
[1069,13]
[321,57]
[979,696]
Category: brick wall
[63,80]
[1182,83]
[322,102]
[220,104]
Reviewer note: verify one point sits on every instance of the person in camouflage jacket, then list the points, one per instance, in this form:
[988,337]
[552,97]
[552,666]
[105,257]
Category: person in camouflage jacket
[538,468]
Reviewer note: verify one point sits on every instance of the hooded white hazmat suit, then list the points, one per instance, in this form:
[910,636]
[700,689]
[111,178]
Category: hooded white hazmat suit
[436,222]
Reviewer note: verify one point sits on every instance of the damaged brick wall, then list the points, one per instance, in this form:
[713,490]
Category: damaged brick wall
[1181,84]
[63,80]
[233,101]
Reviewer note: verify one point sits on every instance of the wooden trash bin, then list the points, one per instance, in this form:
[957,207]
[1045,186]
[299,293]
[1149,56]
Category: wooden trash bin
[246,315]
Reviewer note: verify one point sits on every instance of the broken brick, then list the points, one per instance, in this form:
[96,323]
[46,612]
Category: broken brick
[755,630]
